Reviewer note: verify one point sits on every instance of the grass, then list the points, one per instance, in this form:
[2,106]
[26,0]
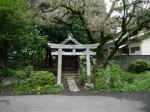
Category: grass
[141,82]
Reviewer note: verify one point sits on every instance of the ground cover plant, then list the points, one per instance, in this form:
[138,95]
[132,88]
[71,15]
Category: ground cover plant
[141,82]
[34,82]
[114,74]
[116,79]
[113,78]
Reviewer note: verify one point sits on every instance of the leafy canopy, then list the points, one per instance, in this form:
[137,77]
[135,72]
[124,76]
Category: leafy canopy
[19,37]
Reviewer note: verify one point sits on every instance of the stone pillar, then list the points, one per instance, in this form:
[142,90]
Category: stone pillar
[88,66]
[59,66]
[88,85]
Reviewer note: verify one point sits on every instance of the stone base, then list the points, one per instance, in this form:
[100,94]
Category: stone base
[89,86]
[61,85]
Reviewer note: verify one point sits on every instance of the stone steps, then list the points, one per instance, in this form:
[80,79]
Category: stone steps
[74,75]
[72,84]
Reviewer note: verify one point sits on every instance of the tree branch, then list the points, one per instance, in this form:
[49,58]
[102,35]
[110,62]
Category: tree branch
[111,10]
[131,16]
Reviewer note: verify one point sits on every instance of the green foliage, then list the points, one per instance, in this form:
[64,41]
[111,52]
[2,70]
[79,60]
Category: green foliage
[19,73]
[140,82]
[8,72]
[12,13]
[79,32]
[29,89]
[59,31]
[42,78]
[83,73]
[1,75]
[82,78]
[28,70]
[149,65]
[19,36]
[121,80]
[40,82]
[128,77]
[101,76]
[139,66]
[29,50]
[82,63]
[115,74]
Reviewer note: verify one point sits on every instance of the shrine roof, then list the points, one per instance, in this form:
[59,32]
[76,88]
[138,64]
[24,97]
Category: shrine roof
[70,38]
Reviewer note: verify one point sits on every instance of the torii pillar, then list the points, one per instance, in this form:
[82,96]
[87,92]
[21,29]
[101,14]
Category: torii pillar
[59,69]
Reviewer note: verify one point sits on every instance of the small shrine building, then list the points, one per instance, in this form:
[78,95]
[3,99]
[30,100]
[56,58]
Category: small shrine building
[71,47]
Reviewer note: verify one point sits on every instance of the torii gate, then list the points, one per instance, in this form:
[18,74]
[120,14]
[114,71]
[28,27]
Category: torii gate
[77,45]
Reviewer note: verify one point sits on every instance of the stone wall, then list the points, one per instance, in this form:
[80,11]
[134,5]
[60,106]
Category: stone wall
[124,60]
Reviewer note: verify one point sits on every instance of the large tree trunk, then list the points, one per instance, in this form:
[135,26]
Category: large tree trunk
[102,58]
[100,55]
[109,57]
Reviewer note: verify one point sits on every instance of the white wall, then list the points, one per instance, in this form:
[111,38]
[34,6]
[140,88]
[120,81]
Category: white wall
[145,47]
[135,44]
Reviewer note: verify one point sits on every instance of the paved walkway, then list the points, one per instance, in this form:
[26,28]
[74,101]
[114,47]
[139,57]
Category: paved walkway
[72,84]
[105,102]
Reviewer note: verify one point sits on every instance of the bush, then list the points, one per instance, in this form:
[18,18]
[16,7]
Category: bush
[100,83]
[39,82]
[20,74]
[140,83]
[16,73]
[121,80]
[8,72]
[82,78]
[115,75]
[43,78]
[139,66]
[128,77]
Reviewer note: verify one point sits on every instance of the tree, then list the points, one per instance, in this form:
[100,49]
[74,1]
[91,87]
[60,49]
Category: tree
[19,37]
[126,18]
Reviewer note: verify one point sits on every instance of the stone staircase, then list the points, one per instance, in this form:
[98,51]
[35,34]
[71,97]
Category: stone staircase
[71,83]
[69,73]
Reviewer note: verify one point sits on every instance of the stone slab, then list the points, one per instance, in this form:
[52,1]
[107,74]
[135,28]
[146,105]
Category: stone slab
[72,85]
[69,76]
